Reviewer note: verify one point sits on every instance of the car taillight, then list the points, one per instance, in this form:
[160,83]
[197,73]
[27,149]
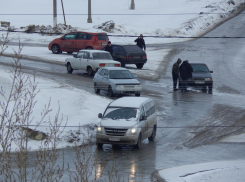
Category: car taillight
[144,57]
[95,38]
[117,65]
[129,57]
[102,64]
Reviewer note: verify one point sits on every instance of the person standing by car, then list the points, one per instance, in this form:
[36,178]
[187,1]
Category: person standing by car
[140,42]
[108,48]
[175,73]
[185,73]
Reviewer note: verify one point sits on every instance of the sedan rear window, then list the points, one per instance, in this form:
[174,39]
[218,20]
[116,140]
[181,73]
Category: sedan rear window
[132,48]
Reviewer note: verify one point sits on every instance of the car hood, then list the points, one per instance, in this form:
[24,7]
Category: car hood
[201,75]
[125,81]
[120,123]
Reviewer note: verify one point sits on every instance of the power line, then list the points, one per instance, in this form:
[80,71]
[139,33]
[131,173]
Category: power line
[120,14]
[151,36]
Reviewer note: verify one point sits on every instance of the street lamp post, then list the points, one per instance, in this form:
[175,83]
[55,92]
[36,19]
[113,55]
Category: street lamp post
[89,12]
[132,4]
[54,13]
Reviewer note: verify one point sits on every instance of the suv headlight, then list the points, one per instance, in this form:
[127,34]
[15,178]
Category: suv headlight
[99,129]
[208,79]
[133,131]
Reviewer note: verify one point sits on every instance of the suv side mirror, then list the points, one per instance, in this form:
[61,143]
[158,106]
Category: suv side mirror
[75,56]
[211,71]
[100,115]
[143,118]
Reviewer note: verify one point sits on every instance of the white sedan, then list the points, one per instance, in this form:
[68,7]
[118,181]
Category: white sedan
[90,61]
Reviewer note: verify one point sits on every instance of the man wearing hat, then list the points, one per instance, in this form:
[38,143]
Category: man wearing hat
[175,73]
[108,48]
[140,42]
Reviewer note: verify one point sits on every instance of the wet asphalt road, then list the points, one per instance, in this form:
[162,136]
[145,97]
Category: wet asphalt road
[182,135]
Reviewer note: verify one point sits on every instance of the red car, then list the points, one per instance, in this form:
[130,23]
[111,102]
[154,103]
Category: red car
[75,41]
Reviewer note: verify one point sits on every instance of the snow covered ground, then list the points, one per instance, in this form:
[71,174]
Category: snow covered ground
[151,18]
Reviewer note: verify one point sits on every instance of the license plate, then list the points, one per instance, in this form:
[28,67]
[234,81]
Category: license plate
[115,139]
[137,57]
[199,82]
[104,43]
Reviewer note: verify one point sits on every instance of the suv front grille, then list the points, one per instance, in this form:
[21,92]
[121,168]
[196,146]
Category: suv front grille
[115,131]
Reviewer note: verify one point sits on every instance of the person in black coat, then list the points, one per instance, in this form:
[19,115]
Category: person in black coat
[140,42]
[175,73]
[108,48]
[185,74]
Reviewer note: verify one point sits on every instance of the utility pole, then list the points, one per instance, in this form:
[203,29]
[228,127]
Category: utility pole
[89,12]
[63,12]
[132,4]
[54,13]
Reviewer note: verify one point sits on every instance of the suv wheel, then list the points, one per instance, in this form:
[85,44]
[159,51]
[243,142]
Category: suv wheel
[138,145]
[140,65]
[123,65]
[55,49]
[153,135]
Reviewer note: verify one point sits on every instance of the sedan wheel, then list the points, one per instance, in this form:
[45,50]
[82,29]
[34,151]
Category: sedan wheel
[140,65]
[55,49]
[69,68]
[96,90]
[90,71]
[110,92]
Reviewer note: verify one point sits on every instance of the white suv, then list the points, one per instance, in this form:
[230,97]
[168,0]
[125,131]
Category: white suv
[127,121]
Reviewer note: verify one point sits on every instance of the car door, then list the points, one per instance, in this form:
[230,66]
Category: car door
[105,80]
[143,123]
[85,60]
[115,52]
[68,41]
[147,108]
[121,52]
[75,62]
[80,41]
[99,78]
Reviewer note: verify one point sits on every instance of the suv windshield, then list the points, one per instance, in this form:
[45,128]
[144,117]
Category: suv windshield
[199,68]
[120,74]
[102,55]
[116,113]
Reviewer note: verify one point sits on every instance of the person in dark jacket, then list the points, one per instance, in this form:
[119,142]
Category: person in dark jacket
[108,48]
[140,42]
[185,74]
[175,73]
